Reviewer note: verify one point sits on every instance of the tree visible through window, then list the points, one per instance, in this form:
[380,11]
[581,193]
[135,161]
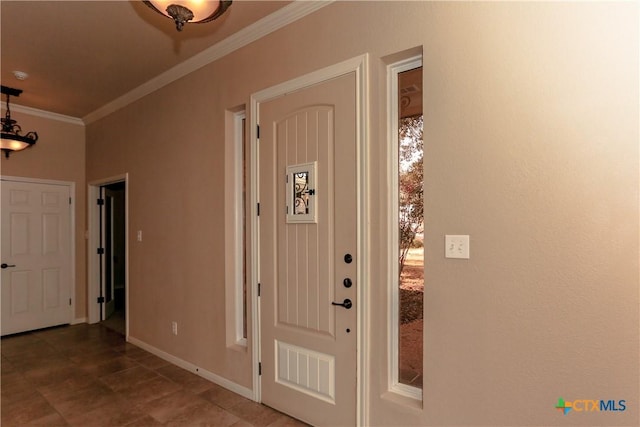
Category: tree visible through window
[411,227]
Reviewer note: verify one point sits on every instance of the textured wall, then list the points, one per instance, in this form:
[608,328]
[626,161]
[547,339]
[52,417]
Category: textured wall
[531,148]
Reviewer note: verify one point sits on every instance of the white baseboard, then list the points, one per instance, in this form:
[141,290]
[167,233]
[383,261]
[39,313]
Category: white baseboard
[78,320]
[217,379]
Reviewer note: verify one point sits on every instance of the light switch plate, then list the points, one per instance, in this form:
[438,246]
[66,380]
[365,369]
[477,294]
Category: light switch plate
[456,246]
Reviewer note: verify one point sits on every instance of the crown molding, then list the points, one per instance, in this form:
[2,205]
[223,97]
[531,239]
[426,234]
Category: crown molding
[285,16]
[45,114]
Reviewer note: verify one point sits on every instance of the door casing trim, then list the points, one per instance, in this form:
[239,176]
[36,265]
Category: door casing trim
[93,261]
[360,66]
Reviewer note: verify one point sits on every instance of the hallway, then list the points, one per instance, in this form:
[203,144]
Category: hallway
[87,375]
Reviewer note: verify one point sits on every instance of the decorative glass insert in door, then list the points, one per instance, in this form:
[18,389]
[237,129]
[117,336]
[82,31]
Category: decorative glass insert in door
[301,193]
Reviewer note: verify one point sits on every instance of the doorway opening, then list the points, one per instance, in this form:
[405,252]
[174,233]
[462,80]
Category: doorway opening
[113,256]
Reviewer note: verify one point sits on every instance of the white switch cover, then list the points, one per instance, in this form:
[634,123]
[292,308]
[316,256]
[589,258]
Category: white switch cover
[456,246]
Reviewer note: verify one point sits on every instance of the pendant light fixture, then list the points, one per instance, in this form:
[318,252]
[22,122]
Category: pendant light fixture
[193,11]
[12,140]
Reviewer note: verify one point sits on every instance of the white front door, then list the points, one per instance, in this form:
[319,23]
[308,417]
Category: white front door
[308,236]
[36,256]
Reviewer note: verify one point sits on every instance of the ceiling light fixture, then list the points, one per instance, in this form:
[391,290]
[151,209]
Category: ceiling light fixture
[12,140]
[194,11]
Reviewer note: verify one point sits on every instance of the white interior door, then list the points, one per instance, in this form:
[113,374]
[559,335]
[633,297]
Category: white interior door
[308,236]
[107,258]
[36,256]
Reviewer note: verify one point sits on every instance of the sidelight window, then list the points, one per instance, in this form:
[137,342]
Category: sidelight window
[236,230]
[406,260]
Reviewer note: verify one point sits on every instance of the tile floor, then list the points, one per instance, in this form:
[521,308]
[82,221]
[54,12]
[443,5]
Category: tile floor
[87,375]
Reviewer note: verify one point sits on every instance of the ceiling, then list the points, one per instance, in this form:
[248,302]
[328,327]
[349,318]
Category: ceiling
[82,55]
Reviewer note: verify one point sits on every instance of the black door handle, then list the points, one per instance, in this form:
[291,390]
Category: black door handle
[346,303]
[5,265]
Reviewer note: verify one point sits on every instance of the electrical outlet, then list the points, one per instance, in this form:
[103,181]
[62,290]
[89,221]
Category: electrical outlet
[174,328]
[456,246]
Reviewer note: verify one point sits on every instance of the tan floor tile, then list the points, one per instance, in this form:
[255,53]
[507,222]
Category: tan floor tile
[152,362]
[286,421]
[133,352]
[48,374]
[51,420]
[19,345]
[255,413]
[94,358]
[241,423]
[172,405]
[12,395]
[146,421]
[59,391]
[83,400]
[193,382]
[84,348]
[30,362]
[117,412]
[222,397]
[204,415]
[85,375]
[128,378]
[147,391]
[6,367]
[31,355]
[15,382]
[24,411]
[108,367]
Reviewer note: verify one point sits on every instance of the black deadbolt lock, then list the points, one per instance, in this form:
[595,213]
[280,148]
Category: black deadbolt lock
[348,258]
[347,283]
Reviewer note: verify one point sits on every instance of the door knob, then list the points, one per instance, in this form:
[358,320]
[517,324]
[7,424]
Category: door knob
[346,303]
[5,265]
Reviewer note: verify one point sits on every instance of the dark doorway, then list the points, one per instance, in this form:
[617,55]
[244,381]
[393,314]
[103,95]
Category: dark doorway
[113,260]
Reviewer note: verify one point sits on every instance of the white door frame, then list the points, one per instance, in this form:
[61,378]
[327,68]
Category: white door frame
[72,247]
[93,259]
[359,66]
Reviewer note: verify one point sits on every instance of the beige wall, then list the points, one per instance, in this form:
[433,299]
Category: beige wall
[58,155]
[531,127]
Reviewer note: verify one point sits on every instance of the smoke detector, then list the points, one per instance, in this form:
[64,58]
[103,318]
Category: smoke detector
[20,75]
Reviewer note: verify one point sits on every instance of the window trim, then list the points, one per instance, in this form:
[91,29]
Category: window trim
[239,120]
[394,385]
[235,142]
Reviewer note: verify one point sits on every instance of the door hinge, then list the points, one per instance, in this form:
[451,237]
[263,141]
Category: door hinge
[259,368]
[259,289]
[100,202]
[69,301]
[69,200]
[258,131]
[100,300]
[258,207]
[100,251]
